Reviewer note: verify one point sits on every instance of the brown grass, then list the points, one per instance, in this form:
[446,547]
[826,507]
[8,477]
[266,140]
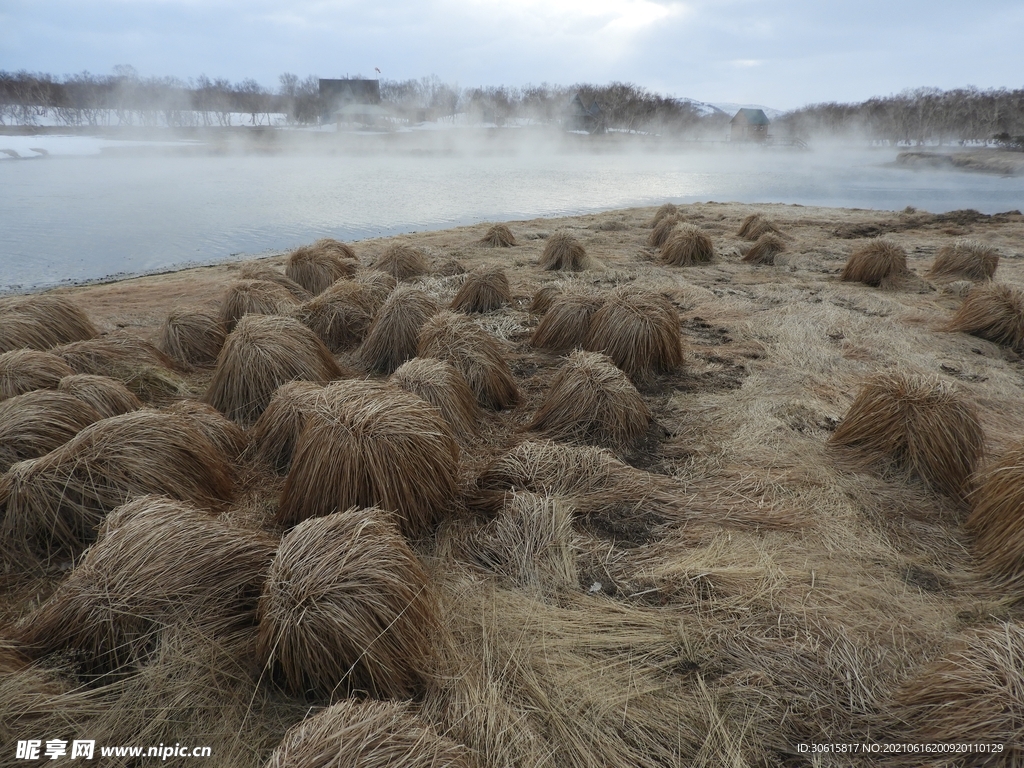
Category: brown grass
[449,268]
[157,561]
[346,608]
[35,423]
[880,263]
[562,251]
[765,249]
[965,259]
[340,316]
[192,338]
[996,522]
[402,261]
[592,401]
[688,245]
[499,236]
[394,333]
[269,275]
[57,502]
[665,211]
[916,423]
[260,355]
[367,734]
[139,365]
[229,438]
[566,323]
[484,290]
[23,370]
[253,297]
[278,428]
[639,331]
[543,299]
[316,266]
[108,396]
[662,231]
[994,312]
[379,286]
[367,444]
[41,322]
[477,354]
[755,226]
[443,386]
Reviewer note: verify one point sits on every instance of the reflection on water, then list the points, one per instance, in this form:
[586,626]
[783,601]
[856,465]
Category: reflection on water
[72,219]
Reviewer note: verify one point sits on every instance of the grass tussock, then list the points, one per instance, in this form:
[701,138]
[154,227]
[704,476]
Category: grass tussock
[755,226]
[916,423]
[484,290]
[880,263]
[340,316]
[57,502]
[543,299]
[477,354]
[448,268]
[662,231]
[269,275]
[23,370]
[499,236]
[688,245]
[996,522]
[157,561]
[278,428]
[394,333]
[108,396]
[566,323]
[229,438]
[564,252]
[146,371]
[964,259]
[33,424]
[443,386]
[370,444]
[994,312]
[591,401]
[639,331]
[346,607]
[41,322]
[192,338]
[253,297]
[666,211]
[316,266]
[260,355]
[378,285]
[765,249]
[402,261]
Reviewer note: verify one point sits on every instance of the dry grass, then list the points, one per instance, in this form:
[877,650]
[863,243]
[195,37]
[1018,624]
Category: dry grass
[639,331]
[880,263]
[157,561]
[278,428]
[592,401]
[23,370]
[662,231]
[56,503]
[965,259]
[475,353]
[269,275]
[996,521]
[448,268]
[260,355]
[667,210]
[402,261]
[379,286]
[108,396]
[562,251]
[35,423]
[765,249]
[340,316]
[566,323]
[918,424]
[443,386]
[316,266]
[484,290]
[192,338]
[367,734]
[229,438]
[994,312]
[41,322]
[253,297]
[367,444]
[688,245]
[755,226]
[394,335]
[139,365]
[499,236]
[346,607]
[543,299]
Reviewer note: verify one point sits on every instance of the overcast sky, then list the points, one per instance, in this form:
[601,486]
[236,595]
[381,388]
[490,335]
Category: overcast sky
[778,53]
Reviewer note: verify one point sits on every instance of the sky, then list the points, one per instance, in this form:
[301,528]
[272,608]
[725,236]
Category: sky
[778,53]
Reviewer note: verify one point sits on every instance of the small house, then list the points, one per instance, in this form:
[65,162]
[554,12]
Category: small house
[749,125]
[584,118]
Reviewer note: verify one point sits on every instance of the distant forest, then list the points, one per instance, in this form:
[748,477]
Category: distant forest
[125,98]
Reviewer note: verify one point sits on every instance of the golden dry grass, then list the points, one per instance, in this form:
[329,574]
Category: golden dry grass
[340,315]
[394,335]
[499,236]
[192,338]
[996,521]
[278,428]
[253,297]
[346,607]
[267,274]
[755,226]
[378,285]
[639,331]
[662,231]
[402,261]
[149,373]
[543,299]
[994,312]
[566,322]
[35,423]
[442,385]
[688,245]
[229,438]
[41,322]
[765,249]
[665,211]
[562,251]
[23,370]
[316,266]
[484,290]
[964,259]
[880,263]
[108,396]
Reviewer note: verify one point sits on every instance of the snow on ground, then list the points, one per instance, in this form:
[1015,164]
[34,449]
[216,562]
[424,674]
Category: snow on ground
[43,145]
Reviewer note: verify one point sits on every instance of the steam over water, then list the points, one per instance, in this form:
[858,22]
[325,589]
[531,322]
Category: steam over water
[69,219]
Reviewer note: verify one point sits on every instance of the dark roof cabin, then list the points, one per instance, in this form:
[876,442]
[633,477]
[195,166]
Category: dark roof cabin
[584,118]
[336,95]
[749,125]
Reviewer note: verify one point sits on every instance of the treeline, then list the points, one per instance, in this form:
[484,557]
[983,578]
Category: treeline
[922,115]
[125,98]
